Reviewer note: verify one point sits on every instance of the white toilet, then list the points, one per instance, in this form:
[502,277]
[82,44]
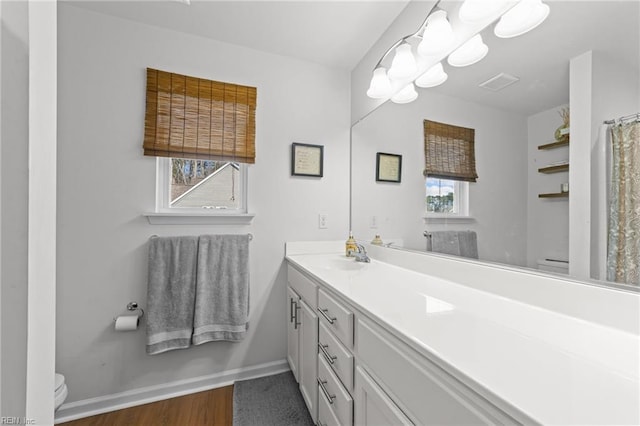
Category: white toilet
[61,391]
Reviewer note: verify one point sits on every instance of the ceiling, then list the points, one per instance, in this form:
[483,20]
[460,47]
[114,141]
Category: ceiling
[540,58]
[339,33]
[332,33]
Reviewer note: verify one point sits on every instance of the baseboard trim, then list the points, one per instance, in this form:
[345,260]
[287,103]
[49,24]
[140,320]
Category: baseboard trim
[117,401]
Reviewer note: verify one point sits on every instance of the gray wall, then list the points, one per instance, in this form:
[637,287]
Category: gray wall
[14,195]
[105,184]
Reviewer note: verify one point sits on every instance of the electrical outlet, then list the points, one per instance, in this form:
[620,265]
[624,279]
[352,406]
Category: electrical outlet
[373,224]
[323,220]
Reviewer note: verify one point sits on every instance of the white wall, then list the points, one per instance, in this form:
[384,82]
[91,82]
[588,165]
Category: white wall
[14,141]
[497,200]
[105,184]
[548,218]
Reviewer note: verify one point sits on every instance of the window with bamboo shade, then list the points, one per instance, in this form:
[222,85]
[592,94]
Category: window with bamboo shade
[194,118]
[449,152]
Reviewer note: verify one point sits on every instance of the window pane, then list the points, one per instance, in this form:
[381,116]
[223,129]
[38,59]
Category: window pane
[205,184]
[441,196]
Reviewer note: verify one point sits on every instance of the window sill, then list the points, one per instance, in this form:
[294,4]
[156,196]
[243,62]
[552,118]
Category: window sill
[198,219]
[449,219]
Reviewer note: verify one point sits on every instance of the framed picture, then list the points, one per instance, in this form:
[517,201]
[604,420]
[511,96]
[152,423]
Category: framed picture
[388,167]
[306,160]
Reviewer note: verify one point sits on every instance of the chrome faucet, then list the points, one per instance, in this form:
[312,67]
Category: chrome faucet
[361,254]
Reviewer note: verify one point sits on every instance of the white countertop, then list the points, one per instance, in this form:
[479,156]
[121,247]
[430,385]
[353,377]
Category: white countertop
[554,368]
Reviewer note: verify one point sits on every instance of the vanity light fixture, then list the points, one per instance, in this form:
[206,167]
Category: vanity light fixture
[434,76]
[380,87]
[404,63]
[522,18]
[436,37]
[406,95]
[469,53]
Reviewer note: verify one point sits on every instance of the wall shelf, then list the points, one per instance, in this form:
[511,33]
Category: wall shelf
[554,145]
[554,169]
[554,195]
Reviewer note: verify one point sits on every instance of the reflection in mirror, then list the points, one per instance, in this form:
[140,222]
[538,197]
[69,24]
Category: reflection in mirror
[529,207]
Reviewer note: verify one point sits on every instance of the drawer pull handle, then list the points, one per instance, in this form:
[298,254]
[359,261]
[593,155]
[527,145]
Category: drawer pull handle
[330,358]
[325,314]
[330,398]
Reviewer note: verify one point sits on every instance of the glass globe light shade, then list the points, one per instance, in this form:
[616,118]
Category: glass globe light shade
[469,53]
[434,76]
[380,87]
[437,36]
[522,18]
[404,63]
[406,95]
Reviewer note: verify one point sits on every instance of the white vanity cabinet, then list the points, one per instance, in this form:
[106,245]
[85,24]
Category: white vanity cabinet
[429,340]
[302,336]
[352,371]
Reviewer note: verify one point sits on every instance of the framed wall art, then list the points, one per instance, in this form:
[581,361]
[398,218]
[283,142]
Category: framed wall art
[388,167]
[306,159]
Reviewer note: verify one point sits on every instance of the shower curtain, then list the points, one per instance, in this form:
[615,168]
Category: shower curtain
[623,252]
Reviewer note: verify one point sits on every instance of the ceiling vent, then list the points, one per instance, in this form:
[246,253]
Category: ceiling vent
[499,82]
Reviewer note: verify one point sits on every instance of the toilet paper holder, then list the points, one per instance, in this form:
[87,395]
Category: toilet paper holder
[133,306]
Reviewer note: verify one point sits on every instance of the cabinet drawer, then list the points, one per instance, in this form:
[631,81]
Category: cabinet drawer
[422,389]
[336,317]
[337,356]
[331,390]
[302,285]
[326,416]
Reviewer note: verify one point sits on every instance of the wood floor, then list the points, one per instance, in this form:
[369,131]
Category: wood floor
[213,407]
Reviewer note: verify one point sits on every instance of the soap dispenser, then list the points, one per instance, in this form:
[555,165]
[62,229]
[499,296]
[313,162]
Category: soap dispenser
[350,246]
[377,241]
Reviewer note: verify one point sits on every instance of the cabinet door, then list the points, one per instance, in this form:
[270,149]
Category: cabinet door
[372,406]
[308,357]
[293,340]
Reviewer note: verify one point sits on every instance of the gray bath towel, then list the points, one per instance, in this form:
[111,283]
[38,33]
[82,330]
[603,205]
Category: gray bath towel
[457,243]
[171,293]
[222,288]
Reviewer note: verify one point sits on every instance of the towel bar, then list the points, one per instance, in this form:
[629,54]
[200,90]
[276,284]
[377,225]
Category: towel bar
[249,234]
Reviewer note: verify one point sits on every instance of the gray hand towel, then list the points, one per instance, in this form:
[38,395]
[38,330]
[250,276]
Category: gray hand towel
[468,243]
[445,242]
[222,288]
[458,243]
[171,293]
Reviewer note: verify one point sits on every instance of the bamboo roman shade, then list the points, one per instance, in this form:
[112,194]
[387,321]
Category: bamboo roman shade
[189,117]
[449,152]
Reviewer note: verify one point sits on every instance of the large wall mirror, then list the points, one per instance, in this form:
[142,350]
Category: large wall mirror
[512,223]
